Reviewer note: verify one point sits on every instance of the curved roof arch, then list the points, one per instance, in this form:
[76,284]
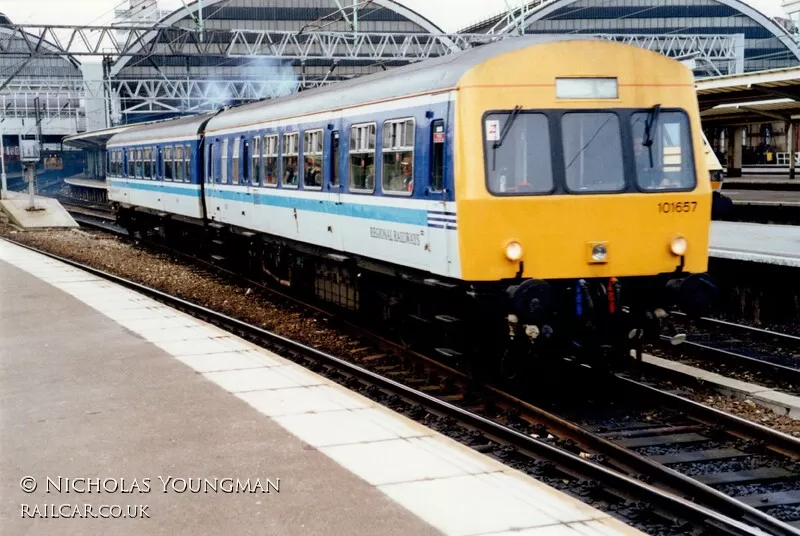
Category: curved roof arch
[424,24]
[544,10]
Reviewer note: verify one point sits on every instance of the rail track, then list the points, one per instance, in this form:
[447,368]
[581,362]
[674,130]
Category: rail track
[740,350]
[544,443]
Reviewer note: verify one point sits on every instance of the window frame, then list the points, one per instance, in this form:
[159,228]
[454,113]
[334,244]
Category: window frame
[399,149]
[224,160]
[321,154]
[276,169]
[434,124]
[285,154]
[336,147]
[140,162]
[351,152]
[187,163]
[177,158]
[556,152]
[255,162]
[635,171]
[168,151]
[624,134]
[236,158]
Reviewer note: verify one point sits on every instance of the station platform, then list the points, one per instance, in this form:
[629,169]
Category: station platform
[82,181]
[768,198]
[87,189]
[100,382]
[769,244]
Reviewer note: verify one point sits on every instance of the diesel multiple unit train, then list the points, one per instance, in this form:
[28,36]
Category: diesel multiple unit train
[527,194]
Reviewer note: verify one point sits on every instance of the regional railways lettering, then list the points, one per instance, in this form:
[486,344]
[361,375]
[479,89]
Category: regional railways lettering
[394,236]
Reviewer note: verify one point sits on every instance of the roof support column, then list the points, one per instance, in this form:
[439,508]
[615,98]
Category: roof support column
[791,142]
[734,138]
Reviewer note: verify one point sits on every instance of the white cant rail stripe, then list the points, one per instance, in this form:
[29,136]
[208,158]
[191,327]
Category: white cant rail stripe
[452,487]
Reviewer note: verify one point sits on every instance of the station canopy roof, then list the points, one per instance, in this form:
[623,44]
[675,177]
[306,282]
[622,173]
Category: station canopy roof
[746,98]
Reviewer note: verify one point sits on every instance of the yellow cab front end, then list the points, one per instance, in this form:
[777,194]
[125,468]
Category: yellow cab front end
[582,181]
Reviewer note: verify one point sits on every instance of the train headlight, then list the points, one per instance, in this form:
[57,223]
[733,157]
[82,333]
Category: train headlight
[678,246]
[597,252]
[514,251]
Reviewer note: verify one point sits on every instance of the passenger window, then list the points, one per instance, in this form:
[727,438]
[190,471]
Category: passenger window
[592,152]
[139,164]
[148,172]
[665,163]
[518,153]
[224,177]
[290,159]
[180,172]
[362,158]
[437,156]
[235,161]
[335,158]
[255,164]
[187,163]
[312,159]
[398,156]
[168,163]
[270,160]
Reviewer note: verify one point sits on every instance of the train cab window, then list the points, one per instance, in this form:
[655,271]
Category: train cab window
[362,158]
[437,156]
[312,159]
[168,163]
[255,164]
[290,159]
[662,151]
[269,160]
[224,159]
[517,152]
[398,157]
[187,163]
[235,161]
[593,152]
[335,158]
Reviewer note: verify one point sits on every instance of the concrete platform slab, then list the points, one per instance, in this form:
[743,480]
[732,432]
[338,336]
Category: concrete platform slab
[771,244]
[84,182]
[776,401]
[764,198]
[52,214]
[87,395]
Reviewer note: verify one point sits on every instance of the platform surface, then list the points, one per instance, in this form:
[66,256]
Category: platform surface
[763,197]
[98,381]
[80,180]
[771,244]
[53,215]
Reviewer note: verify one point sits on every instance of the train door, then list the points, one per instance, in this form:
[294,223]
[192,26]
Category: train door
[334,187]
[441,222]
[212,180]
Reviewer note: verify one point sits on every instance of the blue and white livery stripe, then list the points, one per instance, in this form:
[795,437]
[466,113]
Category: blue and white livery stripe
[442,220]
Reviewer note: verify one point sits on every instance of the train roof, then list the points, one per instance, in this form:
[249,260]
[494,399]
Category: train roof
[171,128]
[431,75]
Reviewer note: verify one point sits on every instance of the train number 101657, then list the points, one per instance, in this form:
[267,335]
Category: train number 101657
[677,206]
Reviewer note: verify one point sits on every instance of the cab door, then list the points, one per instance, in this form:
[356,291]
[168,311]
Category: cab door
[441,221]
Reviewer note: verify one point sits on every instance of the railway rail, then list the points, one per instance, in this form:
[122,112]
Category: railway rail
[498,422]
[742,350]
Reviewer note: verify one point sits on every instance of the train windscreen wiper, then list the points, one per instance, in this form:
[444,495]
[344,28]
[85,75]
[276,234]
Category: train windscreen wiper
[652,120]
[506,130]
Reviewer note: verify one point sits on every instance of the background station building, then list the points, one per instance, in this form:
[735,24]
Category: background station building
[250,50]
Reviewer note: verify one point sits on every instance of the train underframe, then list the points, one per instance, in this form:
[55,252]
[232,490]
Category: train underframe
[487,328]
